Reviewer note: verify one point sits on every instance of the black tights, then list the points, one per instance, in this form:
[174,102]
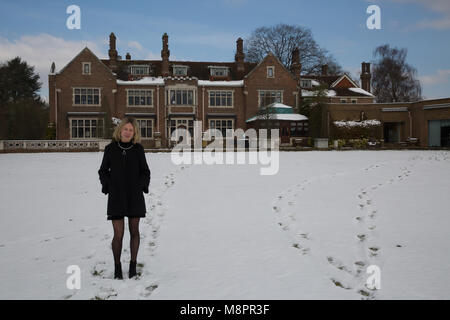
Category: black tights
[118,226]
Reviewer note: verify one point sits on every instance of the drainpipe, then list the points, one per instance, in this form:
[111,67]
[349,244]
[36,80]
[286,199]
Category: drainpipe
[157,108]
[56,112]
[203,109]
[410,124]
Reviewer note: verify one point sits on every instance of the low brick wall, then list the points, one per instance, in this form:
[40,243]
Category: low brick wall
[51,145]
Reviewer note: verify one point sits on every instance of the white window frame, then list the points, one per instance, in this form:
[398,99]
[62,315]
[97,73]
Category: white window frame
[86,104]
[221,92]
[272,68]
[90,127]
[194,96]
[141,105]
[354,101]
[179,67]
[259,95]
[343,100]
[214,69]
[178,123]
[135,67]
[83,70]
[307,81]
[153,127]
[221,119]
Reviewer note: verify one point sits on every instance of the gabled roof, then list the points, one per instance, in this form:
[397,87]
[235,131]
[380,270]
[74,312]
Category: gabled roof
[90,52]
[276,58]
[332,82]
[344,76]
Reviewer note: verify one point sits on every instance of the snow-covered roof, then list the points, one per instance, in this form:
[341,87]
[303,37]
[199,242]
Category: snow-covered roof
[280,116]
[361,91]
[308,93]
[143,81]
[278,105]
[235,83]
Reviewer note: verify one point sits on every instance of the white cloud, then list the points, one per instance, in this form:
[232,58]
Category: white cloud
[441,76]
[137,51]
[135,45]
[43,49]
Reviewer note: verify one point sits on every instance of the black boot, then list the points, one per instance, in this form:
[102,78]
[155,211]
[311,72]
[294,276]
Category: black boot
[132,270]
[118,271]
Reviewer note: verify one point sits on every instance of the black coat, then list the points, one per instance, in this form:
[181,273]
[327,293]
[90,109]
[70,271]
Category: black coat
[124,178]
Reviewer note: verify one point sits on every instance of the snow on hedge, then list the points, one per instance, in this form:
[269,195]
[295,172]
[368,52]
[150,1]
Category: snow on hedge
[365,123]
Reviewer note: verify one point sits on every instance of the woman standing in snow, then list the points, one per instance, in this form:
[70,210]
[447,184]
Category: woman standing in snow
[124,175]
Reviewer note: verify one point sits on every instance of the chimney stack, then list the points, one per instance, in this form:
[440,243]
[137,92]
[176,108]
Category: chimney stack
[112,51]
[296,66]
[128,56]
[365,76]
[324,69]
[165,53]
[239,57]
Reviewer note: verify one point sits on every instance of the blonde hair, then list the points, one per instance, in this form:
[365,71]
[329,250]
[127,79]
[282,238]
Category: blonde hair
[124,121]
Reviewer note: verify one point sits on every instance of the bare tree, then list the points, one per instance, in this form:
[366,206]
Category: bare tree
[393,80]
[281,41]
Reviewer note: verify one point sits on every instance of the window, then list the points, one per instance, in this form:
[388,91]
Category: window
[140,70]
[140,97]
[181,97]
[185,123]
[86,128]
[146,127]
[306,83]
[222,125]
[86,68]
[86,96]
[343,100]
[299,129]
[219,71]
[220,98]
[268,97]
[180,70]
[354,100]
[270,72]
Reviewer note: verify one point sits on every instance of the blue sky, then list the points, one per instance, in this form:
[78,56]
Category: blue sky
[207,30]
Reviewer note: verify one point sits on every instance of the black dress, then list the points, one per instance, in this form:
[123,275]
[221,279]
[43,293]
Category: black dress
[124,175]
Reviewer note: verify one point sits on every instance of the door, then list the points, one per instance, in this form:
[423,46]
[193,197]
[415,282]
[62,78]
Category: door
[434,133]
[285,134]
[445,133]
[391,131]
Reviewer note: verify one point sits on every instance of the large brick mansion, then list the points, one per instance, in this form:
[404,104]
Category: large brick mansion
[164,94]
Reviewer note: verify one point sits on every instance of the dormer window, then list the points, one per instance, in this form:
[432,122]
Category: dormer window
[216,71]
[86,68]
[140,70]
[306,83]
[180,70]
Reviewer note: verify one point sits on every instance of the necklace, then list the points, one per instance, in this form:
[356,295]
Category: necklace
[123,149]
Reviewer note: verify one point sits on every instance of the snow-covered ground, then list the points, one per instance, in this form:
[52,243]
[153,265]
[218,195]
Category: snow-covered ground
[227,232]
